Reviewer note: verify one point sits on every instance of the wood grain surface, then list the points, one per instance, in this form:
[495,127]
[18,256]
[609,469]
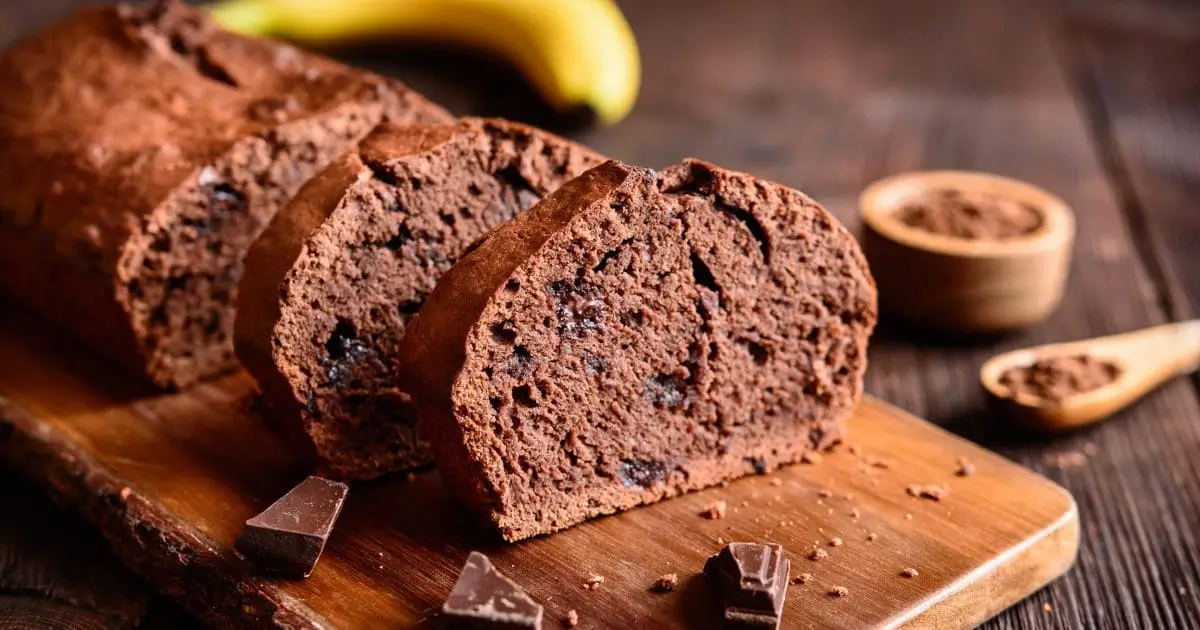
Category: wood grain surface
[1095,101]
[170,480]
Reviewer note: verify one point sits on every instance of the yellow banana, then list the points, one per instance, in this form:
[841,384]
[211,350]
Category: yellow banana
[576,53]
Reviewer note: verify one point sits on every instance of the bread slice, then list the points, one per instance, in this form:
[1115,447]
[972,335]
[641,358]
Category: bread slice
[635,336]
[333,281]
[141,151]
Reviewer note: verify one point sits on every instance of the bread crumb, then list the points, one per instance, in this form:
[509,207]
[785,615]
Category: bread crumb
[811,457]
[410,477]
[872,536]
[720,541]
[824,494]
[908,517]
[818,554]
[594,582]
[714,511]
[965,468]
[724,483]
[855,450]
[1048,608]
[836,542]
[667,583]
[848,497]
[839,591]
[1064,461]
[854,513]
[776,481]
[126,492]
[909,572]
[572,618]
[803,578]
[879,463]
[745,504]
[931,492]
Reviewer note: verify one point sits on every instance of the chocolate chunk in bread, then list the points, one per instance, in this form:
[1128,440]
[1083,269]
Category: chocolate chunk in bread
[634,337]
[141,151]
[335,278]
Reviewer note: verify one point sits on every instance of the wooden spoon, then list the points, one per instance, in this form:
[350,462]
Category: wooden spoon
[1145,357]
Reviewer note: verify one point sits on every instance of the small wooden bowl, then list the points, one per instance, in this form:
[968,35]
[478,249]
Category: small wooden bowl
[965,285]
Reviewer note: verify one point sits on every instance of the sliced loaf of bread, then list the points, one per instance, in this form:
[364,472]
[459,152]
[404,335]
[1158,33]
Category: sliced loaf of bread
[637,335]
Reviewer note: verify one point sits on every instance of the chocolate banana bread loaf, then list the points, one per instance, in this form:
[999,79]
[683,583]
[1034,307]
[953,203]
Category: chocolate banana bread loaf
[633,337]
[141,150]
[334,279]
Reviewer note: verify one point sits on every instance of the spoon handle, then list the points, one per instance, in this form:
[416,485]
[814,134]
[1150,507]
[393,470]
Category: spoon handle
[1189,337]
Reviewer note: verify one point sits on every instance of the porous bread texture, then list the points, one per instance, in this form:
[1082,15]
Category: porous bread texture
[636,336]
[333,282]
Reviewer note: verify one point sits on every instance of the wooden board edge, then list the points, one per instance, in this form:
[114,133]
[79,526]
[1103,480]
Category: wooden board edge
[1006,580]
[179,560]
[1009,577]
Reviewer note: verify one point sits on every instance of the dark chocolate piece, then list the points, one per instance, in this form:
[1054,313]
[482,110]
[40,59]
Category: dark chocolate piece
[288,537]
[483,596]
[751,580]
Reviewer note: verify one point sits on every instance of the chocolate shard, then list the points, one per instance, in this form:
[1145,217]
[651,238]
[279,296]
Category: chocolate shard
[751,581]
[487,599]
[287,538]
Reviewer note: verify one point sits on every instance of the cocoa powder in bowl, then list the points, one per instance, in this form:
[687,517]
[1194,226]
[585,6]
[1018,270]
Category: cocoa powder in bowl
[1057,378]
[968,214]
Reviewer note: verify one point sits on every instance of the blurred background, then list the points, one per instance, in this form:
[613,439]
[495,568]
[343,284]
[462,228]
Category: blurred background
[1096,101]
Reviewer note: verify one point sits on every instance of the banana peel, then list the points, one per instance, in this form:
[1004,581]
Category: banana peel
[576,53]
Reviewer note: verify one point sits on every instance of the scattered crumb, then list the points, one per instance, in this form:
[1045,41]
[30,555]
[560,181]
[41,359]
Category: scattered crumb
[720,541]
[830,511]
[931,492]
[872,536]
[836,542]
[714,511]
[803,578]
[594,582]
[909,572]
[126,492]
[1048,608]
[724,483]
[848,497]
[572,619]
[1065,460]
[820,502]
[824,494]
[776,481]
[965,468]
[839,591]
[380,554]
[855,450]
[854,513]
[745,504]
[811,457]
[818,554]
[908,517]
[879,463]
[666,583]
[410,477]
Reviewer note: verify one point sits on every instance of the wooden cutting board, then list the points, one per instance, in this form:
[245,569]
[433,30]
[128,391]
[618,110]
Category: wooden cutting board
[169,480]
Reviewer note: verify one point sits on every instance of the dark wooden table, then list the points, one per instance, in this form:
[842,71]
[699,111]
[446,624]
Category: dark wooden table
[1098,102]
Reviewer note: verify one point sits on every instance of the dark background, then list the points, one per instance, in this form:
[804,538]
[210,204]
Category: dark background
[1098,101]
